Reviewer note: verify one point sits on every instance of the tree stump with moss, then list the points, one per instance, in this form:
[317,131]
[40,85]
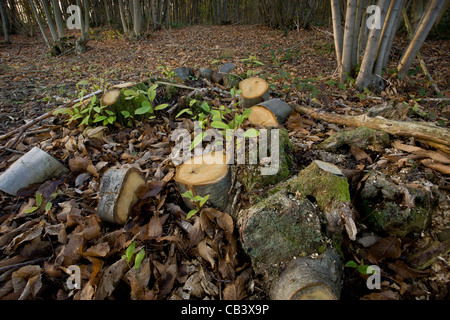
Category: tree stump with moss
[396,208]
[254,91]
[253,176]
[297,218]
[205,175]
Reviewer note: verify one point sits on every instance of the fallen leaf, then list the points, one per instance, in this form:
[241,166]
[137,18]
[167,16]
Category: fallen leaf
[206,252]
[385,248]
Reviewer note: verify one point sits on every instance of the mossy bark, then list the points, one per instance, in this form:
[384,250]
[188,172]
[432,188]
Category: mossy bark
[394,208]
[297,218]
[251,177]
[361,137]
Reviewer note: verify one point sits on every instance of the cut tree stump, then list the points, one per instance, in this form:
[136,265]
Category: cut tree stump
[297,218]
[110,97]
[310,279]
[206,174]
[35,166]
[184,73]
[394,207]
[272,112]
[254,91]
[251,176]
[218,75]
[119,192]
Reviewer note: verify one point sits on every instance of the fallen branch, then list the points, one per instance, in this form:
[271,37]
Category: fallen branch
[438,136]
[176,85]
[22,129]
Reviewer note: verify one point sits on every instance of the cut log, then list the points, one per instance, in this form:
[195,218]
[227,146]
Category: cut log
[310,279]
[35,166]
[205,73]
[272,112]
[205,175]
[251,176]
[110,97]
[438,136]
[119,192]
[254,91]
[183,73]
[218,75]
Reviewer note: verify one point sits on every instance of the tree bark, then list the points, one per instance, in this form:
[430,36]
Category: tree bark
[350,18]
[4,22]
[58,19]
[40,24]
[337,30]
[50,22]
[422,32]
[122,17]
[385,38]
[365,75]
[137,18]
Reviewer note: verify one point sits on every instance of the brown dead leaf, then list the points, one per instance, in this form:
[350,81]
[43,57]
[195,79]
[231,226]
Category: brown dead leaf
[385,248]
[27,281]
[165,277]
[110,279]
[360,154]
[436,166]
[206,252]
[236,290]
[405,272]
[28,235]
[224,220]
[99,250]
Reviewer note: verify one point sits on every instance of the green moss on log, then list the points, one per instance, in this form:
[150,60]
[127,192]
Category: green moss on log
[361,137]
[251,176]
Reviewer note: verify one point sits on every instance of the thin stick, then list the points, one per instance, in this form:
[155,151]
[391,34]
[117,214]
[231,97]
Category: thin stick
[181,86]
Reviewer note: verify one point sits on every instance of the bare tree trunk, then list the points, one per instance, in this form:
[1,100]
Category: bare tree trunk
[388,29]
[122,17]
[50,22]
[40,24]
[350,18]
[365,75]
[337,30]
[58,19]
[108,15]
[422,32]
[137,18]
[416,13]
[87,27]
[4,23]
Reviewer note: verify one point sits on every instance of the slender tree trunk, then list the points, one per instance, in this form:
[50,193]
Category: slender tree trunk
[365,75]
[122,17]
[108,14]
[87,27]
[50,22]
[39,23]
[350,18]
[422,32]
[387,35]
[416,13]
[137,18]
[337,30]
[4,22]
[58,19]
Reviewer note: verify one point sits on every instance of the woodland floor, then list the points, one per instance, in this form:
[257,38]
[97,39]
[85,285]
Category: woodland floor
[300,66]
